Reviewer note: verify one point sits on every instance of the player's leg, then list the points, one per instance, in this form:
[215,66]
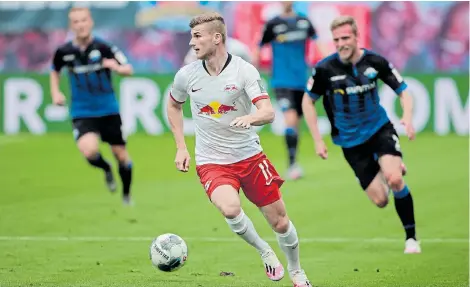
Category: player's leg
[222,185]
[125,170]
[286,101]
[227,201]
[288,240]
[390,160]
[111,133]
[261,183]
[367,171]
[86,135]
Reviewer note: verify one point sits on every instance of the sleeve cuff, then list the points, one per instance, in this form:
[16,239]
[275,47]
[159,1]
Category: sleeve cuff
[179,102]
[312,95]
[260,97]
[401,88]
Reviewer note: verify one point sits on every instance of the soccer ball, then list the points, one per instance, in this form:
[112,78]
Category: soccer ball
[168,252]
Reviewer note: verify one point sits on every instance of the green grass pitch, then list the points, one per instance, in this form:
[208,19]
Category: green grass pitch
[60,227]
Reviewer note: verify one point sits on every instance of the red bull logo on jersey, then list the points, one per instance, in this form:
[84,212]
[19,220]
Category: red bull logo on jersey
[215,109]
[231,89]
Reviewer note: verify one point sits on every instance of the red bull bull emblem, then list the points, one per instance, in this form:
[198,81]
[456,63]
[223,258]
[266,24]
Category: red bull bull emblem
[216,109]
[231,89]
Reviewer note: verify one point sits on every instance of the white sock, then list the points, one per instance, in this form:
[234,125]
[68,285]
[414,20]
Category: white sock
[289,243]
[243,226]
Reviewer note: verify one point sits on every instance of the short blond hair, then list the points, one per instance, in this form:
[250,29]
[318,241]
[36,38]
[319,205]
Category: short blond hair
[344,20]
[215,19]
[78,8]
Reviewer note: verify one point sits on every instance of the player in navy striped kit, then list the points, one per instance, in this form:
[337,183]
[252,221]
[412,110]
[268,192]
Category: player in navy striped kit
[347,80]
[94,108]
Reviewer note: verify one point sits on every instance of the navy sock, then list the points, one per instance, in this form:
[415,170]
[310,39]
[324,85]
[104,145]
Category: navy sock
[405,210]
[291,142]
[99,162]
[125,171]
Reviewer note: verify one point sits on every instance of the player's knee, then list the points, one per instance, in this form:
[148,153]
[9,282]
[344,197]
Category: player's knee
[231,211]
[380,202]
[281,225]
[88,145]
[89,152]
[120,153]
[395,180]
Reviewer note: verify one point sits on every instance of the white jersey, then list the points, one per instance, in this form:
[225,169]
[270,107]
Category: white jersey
[215,102]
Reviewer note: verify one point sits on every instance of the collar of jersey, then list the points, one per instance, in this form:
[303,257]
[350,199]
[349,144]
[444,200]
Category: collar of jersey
[229,58]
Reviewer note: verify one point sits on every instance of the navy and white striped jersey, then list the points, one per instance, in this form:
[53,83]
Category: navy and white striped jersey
[351,98]
[91,85]
[288,37]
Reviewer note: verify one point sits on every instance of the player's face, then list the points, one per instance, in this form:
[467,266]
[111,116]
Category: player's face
[345,42]
[203,41]
[81,23]
[287,6]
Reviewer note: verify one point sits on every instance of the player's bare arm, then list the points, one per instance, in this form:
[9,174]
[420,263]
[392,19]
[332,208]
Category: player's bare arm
[264,115]
[175,117]
[57,97]
[113,65]
[311,118]
[407,105]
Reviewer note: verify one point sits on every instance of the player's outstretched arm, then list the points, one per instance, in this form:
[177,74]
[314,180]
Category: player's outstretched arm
[311,118]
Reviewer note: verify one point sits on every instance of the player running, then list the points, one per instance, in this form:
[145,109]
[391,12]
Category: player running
[360,125]
[222,89]
[94,108]
[288,35]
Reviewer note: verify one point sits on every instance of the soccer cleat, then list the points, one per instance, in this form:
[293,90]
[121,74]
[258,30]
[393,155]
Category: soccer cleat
[412,246]
[299,278]
[294,172]
[274,268]
[110,182]
[126,200]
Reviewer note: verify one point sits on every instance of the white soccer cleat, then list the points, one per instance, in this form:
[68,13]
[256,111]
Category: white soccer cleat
[412,246]
[294,172]
[299,278]
[127,201]
[274,269]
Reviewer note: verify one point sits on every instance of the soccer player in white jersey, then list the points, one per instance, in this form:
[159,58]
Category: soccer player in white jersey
[222,89]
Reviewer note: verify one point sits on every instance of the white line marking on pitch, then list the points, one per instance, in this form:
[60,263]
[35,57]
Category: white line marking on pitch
[226,239]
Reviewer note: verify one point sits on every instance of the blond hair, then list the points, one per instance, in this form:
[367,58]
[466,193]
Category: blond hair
[215,19]
[78,8]
[344,20]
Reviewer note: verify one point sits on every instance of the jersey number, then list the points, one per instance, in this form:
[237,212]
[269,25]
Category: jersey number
[397,143]
[266,173]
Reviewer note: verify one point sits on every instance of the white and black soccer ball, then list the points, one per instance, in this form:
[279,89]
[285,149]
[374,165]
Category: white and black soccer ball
[168,252]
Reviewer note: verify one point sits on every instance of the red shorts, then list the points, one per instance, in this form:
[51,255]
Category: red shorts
[255,175]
